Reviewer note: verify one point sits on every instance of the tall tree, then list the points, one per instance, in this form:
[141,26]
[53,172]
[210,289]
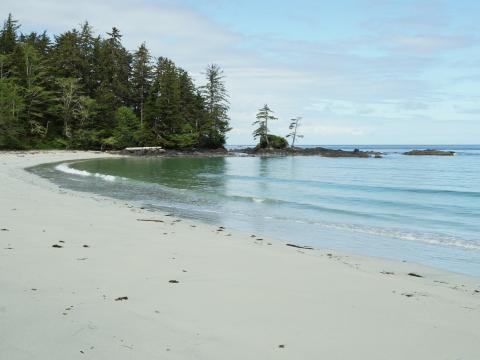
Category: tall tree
[217,104]
[11,108]
[141,79]
[30,73]
[8,35]
[68,102]
[113,76]
[264,115]
[294,125]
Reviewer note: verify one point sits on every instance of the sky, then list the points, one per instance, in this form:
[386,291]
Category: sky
[357,71]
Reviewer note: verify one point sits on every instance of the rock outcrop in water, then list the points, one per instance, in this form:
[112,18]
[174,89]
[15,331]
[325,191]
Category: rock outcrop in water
[431,152]
[256,151]
[318,151]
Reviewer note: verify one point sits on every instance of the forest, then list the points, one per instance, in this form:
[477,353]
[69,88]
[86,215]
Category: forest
[79,90]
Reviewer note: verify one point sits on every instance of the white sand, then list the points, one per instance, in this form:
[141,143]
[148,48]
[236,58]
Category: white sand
[236,299]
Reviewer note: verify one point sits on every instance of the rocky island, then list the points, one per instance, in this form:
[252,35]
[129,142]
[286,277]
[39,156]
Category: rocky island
[318,151]
[431,152]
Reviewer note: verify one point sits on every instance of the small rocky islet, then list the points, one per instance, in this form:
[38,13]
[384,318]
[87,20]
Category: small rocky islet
[429,152]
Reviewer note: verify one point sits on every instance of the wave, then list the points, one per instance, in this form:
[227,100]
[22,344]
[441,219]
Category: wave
[338,185]
[428,238]
[68,170]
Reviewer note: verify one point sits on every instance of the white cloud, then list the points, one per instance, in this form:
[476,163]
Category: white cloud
[348,89]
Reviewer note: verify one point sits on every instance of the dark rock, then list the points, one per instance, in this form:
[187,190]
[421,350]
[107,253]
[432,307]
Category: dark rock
[431,152]
[173,281]
[121,298]
[318,151]
[57,246]
[414,275]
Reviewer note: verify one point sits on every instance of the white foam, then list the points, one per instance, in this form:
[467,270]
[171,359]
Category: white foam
[68,170]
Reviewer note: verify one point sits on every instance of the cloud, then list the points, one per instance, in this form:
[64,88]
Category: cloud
[426,44]
[388,63]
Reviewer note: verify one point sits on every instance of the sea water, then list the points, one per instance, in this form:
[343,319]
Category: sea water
[416,208]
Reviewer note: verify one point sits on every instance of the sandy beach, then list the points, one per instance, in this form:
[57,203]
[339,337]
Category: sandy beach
[85,277]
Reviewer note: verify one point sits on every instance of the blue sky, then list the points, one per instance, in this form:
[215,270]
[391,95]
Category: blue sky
[359,72]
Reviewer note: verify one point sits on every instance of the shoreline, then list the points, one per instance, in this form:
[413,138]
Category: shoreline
[236,297]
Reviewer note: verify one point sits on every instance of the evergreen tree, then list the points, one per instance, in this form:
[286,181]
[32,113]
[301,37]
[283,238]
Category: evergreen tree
[113,76]
[294,125]
[8,35]
[68,103]
[141,79]
[164,101]
[264,115]
[126,129]
[30,74]
[11,109]
[217,105]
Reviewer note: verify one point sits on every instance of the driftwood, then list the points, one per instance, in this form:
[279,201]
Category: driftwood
[147,150]
[300,246]
[414,275]
[151,220]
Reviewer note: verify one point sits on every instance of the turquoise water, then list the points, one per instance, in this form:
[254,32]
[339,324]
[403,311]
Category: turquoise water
[423,209]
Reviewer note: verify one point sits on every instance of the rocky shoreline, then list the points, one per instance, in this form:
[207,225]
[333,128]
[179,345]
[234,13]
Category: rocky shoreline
[317,151]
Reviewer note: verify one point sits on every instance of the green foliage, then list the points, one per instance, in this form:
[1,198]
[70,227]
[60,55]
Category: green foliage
[264,115]
[217,106]
[274,141]
[11,109]
[79,90]
[8,35]
[293,127]
[126,130]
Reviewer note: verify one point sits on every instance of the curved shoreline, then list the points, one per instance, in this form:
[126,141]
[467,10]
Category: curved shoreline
[237,296]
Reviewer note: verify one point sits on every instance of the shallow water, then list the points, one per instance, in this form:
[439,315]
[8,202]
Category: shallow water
[417,208]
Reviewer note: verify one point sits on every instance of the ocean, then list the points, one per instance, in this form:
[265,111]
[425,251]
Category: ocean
[424,209]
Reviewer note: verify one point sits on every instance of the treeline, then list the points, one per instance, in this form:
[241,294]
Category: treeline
[79,90]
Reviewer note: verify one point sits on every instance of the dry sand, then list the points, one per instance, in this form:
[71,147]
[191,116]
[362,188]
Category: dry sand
[236,298]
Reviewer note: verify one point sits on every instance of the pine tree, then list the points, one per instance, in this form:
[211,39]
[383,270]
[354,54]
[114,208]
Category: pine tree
[264,115]
[141,79]
[88,61]
[11,109]
[294,125]
[8,35]
[216,99]
[30,73]
[113,77]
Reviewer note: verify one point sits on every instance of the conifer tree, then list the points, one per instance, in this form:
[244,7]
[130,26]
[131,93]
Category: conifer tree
[141,79]
[264,115]
[294,125]
[217,104]
[8,35]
